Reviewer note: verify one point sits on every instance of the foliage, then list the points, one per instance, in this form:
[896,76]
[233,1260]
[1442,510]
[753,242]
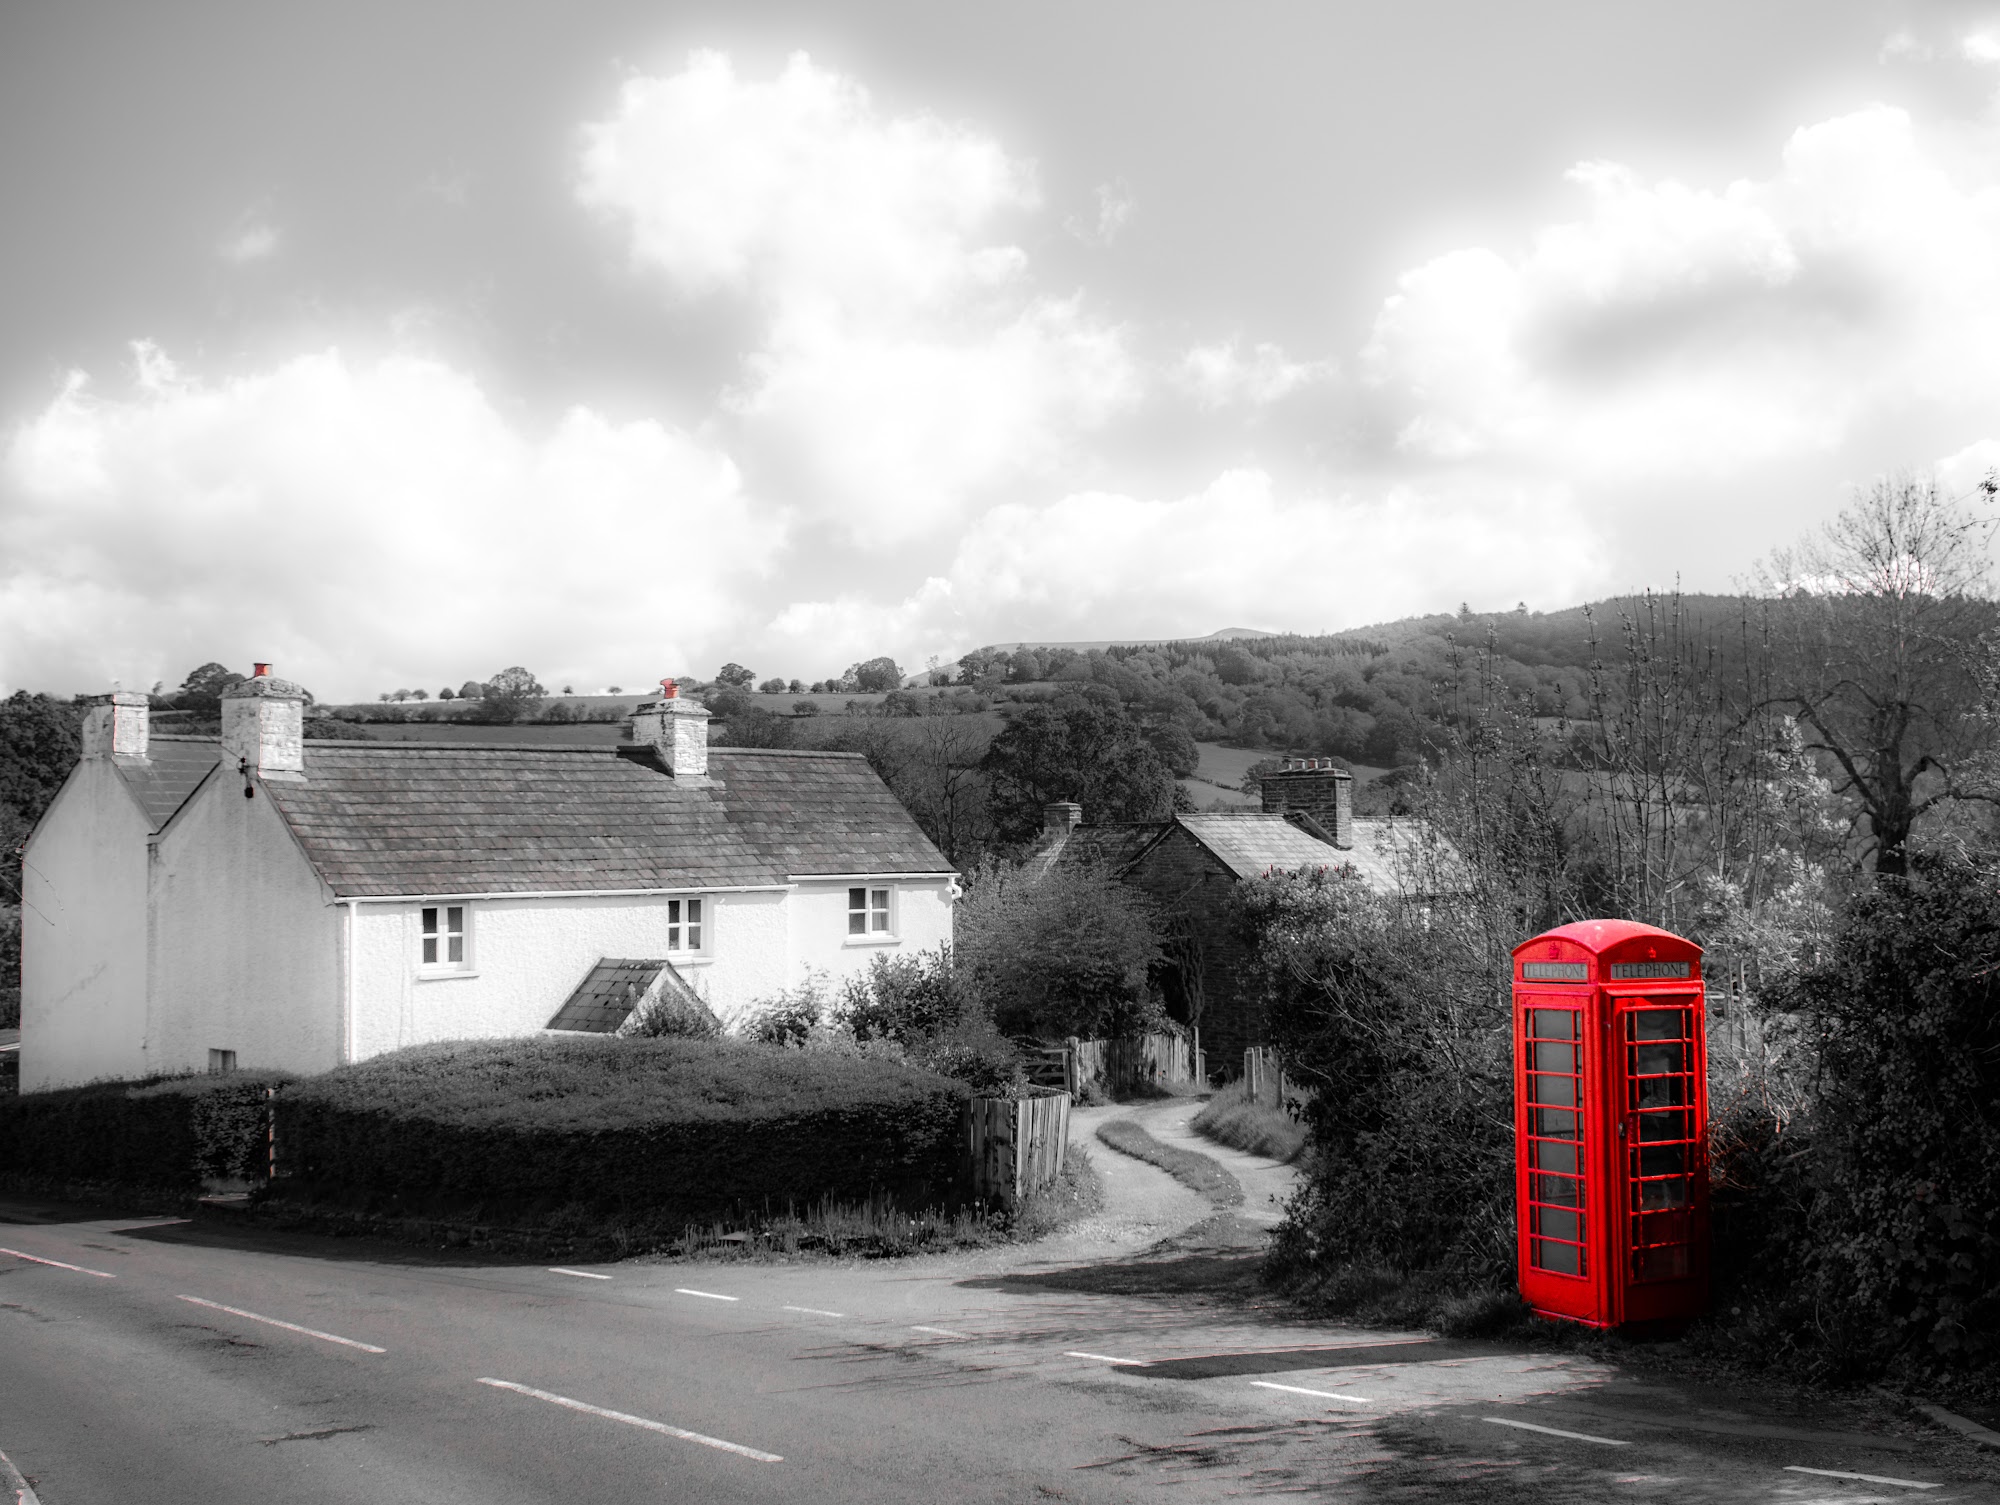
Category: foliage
[1234,1118]
[40,742]
[872,676]
[1079,746]
[735,677]
[674,1011]
[512,695]
[789,1016]
[662,1132]
[924,1005]
[163,1135]
[772,686]
[1064,952]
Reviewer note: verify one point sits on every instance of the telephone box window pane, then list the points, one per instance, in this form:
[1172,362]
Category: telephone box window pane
[1659,1060]
[1662,1160]
[1659,1126]
[1659,1228]
[1660,1024]
[1552,1123]
[1545,1156]
[1668,1192]
[1559,1090]
[1552,1055]
[1556,1191]
[1558,1222]
[1665,1262]
[1552,1024]
[1564,1259]
[1660,1092]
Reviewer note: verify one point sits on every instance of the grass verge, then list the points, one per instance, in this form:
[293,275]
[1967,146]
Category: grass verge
[1192,1170]
[1233,1118]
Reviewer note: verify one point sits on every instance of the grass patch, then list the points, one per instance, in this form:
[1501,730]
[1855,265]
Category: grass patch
[1192,1170]
[1233,1118]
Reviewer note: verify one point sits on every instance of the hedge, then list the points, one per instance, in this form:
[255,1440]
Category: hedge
[165,1135]
[662,1132]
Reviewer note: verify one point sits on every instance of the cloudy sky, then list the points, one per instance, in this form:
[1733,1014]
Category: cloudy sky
[398,343]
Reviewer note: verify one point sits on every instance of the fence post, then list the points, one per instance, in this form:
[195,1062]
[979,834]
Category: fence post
[270,1135]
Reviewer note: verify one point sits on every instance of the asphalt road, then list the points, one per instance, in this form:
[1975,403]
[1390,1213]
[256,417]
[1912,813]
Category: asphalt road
[165,1361]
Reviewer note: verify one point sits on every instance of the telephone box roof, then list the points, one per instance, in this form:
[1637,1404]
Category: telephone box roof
[1599,936]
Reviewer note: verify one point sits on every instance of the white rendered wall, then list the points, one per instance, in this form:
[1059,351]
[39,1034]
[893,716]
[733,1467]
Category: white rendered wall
[245,940]
[526,956]
[820,942]
[83,935]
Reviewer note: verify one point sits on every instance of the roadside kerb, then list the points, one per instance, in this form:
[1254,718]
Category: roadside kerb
[16,1486]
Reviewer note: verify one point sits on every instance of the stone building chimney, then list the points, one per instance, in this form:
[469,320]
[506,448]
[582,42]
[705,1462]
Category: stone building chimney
[117,725]
[1315,788]
[1061,818]
[263,725]
[677,731]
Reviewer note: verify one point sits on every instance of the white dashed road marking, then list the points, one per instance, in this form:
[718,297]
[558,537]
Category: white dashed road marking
[290,1327]
[579,1274]
[1834,1473]
[704,1295]
[36,1259]
[813,1311]
[1102,1358]
[636,1421]
[1529,1426]
[1359,1400]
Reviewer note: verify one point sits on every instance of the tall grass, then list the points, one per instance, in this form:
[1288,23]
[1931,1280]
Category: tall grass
[1238,1120]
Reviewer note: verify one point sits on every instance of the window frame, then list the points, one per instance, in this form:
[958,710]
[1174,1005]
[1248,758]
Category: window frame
[876,914]
[690,927]
[436,938]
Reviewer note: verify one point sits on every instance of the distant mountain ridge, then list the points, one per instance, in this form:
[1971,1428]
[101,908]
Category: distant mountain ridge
[1221,635]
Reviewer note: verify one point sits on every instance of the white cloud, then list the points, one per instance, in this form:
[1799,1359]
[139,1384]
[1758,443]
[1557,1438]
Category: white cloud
[1115,207]
[363,525]
[1904,43]
[905,366]
[1980,47]
[251,240]
[1221,375]
[1677,330]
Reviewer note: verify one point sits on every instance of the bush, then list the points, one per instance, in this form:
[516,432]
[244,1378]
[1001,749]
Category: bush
[662,1133]
[165,1135]
[1233,1118]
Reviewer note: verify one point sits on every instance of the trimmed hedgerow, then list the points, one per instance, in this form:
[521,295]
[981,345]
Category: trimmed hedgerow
[651,1131]
[163,1135]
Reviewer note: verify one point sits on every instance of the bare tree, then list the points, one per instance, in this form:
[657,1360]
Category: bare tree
[1881,633]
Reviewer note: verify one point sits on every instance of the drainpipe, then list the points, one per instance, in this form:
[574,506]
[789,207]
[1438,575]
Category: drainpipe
[347,991]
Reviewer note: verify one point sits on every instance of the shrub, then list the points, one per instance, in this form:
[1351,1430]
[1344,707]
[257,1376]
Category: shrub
[165,1135]
[662,1133]
[788,1017]
[1233,1118]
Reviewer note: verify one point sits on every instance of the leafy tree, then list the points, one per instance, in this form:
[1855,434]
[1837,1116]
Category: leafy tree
[1066,952]
[873,676]
[1079,746]
[40,742]
[771,686]
[512,695]
[1880,630]
[447,693]
[472,689]
[201,692]
[735,676]
[795,686]
[420,694]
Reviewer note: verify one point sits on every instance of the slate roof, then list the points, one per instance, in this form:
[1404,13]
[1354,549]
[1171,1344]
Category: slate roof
[1251,844]
[1108,848]
[1389,856]
[820,812]
[171,770]
[606,997]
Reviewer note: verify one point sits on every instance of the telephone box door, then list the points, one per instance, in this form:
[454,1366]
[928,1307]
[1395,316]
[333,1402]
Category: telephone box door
[1658,1089]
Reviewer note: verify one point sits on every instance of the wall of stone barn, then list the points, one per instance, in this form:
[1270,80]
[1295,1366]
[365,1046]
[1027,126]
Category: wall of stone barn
[819,938]
[526,956]
[1182,876]
[246,941]
[83,935]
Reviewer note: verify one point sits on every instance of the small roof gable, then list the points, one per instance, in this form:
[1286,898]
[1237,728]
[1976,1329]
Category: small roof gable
[1108,848]
[813,813]
[382,819]
[1254,843]
[171,771]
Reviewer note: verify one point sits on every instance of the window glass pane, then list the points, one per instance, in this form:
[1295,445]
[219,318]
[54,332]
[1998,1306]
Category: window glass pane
[1549,1055]
[1552,1123]
[1656,1126]
[454,919]
[694,911]
[1557,1090]
[1564,1259]
[1662,1160]
[1671,1192]
[1544,1156]
[1656,1060]
[1556,1222]
[857,922]
[673,937]
[1557,1191]
[430,950]
[430,922]
[1552,1024]
[694,937]
[857,898]
[455,948]
[1659,1092]
[673,911]
[1659,1024]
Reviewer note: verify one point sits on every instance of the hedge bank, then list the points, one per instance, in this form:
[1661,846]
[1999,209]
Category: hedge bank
[659,1132]
[165,1135]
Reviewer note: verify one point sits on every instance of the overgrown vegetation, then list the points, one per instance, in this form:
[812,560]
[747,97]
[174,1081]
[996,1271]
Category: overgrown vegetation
[161,1137]
[1234,1118]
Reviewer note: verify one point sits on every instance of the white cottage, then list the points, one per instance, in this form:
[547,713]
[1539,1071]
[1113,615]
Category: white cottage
[266,901]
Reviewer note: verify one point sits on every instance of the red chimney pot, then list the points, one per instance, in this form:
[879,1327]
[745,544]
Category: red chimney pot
[260,671]
[669,689]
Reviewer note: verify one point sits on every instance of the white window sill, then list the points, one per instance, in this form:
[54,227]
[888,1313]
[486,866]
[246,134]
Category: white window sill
[684,959]
[444,974]
[877,938]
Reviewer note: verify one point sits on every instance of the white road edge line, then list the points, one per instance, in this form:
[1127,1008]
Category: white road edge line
[36,1259]
[942,1332]
[704,1295]
[813,1311]
[290,1327]
[1834,1473]
[14,1484]
[636,1421]
[579,1274]
[1103,1358]
[1359,1400]
[1529,1426]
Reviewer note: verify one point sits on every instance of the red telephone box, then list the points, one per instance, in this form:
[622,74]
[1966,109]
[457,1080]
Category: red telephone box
[1611,1124]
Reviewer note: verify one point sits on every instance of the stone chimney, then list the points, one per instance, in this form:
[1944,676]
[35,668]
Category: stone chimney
[1061,818]
[263,725]
[677,731]
[1316,789]
[117,725]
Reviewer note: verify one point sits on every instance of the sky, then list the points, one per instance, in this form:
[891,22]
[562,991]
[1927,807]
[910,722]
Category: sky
[396,344]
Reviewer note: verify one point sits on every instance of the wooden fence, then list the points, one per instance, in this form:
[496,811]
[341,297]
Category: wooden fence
[1112,1067]
[1016,1146]
[1264,1078]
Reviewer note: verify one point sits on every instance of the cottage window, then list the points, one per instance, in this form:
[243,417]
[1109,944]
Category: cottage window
[221,1062]
[684,924]
[443,935]
[868,912]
